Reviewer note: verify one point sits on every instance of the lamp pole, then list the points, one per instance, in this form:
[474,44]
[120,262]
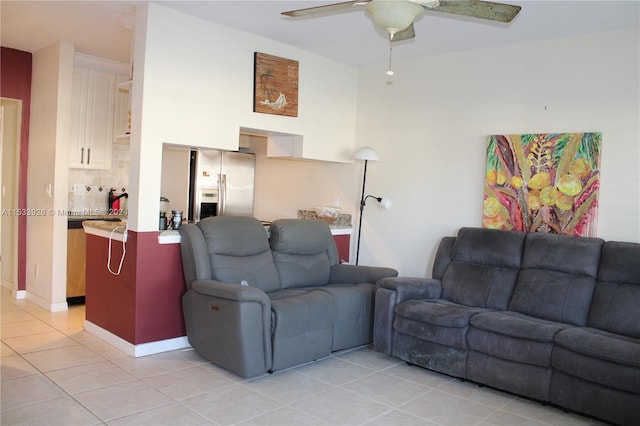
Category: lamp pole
[362,201]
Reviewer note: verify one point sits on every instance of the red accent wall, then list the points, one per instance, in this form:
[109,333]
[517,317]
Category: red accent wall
[159,288]
[144,303]
[343,244]
[15,69]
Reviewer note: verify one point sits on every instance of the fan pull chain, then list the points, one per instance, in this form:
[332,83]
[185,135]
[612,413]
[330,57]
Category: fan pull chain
[390,71]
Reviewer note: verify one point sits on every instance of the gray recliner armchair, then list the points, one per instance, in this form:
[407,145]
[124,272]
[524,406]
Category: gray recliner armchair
[254,305]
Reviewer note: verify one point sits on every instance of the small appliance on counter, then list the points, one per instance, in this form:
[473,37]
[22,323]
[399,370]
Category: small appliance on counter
[165,222]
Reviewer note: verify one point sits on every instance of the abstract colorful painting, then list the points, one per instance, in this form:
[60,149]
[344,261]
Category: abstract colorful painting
[544,182]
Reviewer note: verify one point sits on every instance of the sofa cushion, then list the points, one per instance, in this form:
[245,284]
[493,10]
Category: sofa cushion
[596,343]
[518,325]
[553,295]
[303,251]
[617,296]
[563,253]
[353,324]
[238,250]
[599,357]
[557,277]
[489,247]
[484,267]
[301,326]
[437,321]
[514,337]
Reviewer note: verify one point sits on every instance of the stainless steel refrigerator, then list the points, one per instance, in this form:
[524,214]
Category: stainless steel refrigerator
[221,183]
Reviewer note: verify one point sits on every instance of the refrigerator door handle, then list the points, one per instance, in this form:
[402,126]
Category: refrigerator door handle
[222,195]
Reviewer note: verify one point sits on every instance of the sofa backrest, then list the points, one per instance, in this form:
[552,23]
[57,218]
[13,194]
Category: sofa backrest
[616,300]
[484,267]
[228,249]
[443,257]
[558,277]
[303,251]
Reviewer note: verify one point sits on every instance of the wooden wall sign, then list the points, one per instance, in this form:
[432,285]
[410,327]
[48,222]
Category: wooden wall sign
[275,88]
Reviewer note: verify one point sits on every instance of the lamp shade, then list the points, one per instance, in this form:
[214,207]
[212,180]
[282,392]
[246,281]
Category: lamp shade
[366,153]
[393,15]
[386,203]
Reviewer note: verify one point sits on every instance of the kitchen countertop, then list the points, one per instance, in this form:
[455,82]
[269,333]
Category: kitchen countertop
[117,230]
[106,229]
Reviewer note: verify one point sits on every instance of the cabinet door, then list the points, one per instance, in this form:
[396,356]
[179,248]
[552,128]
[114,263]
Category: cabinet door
[92,110]
[78,118]
[101,105]
[121,128]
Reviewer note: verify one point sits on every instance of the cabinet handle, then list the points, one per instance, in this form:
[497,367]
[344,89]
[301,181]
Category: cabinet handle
[88,156]
[81,155]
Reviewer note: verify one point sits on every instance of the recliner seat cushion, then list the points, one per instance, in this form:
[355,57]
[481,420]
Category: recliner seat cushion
[301,326]
[513,336]
[354,313]
[437,321]
[601,344]
[599,357]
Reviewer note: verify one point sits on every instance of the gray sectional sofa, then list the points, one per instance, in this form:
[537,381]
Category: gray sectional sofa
[550,317]
[255,304]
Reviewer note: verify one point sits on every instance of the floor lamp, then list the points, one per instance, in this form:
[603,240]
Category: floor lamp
[367,154]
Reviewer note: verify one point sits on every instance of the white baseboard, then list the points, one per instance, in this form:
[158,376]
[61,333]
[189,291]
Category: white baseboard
[20,294]
[51,307]
[142,349]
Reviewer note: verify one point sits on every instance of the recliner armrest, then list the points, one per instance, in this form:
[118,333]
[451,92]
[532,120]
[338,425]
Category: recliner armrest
[233,292]
[412,288]
[392,291]
[346,273]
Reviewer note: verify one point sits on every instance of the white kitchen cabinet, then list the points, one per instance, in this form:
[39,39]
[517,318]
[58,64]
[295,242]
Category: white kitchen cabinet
[92,118]
[122,122]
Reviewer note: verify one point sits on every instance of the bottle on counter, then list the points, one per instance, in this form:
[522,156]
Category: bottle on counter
[163,221]
[176,218]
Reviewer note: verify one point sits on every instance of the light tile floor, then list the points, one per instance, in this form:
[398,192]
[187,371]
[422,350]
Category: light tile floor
[53,372]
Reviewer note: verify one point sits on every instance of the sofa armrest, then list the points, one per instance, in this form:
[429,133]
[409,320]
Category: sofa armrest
[231,292]
[230,325]
[346,273]
[412,288]
[390,292]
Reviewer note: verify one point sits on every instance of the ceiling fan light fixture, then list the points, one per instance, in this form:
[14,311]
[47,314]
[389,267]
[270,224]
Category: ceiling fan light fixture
[393,15]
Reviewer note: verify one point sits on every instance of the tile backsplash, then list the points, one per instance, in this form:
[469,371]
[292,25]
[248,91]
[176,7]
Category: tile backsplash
[89,189]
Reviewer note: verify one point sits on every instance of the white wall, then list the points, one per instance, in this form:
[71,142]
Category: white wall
[48,171]
[284,186]
[430,121]
[193,86]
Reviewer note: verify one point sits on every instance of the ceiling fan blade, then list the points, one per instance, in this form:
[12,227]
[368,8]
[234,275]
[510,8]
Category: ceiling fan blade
[335,7]
[479,9]
[406,34]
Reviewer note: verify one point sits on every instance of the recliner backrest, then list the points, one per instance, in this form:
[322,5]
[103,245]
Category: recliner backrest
[484,267]
[303,251]
[558,277]
[616,299]
[235,248]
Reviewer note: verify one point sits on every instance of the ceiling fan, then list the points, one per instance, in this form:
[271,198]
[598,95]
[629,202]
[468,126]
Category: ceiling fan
[396,16]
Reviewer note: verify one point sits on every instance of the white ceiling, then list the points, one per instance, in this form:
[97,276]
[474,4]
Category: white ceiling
[96,28]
